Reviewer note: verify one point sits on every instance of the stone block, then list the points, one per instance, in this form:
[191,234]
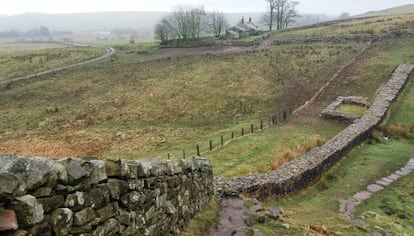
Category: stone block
[51,203]
[9,185]
[96,171]
[127,218]
[117,188]
[43,192]
[111,227]
[361,196]
[133,200]
[97,197]
[74,170]
[109,211]
[62,220]
[75,201]
[32,173]
[28,210]
[84,216]
[8,220]
[373,188]
[113,168]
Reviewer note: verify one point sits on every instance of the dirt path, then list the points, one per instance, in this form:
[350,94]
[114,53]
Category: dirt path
[109,52]
[347,207]
[232,218]
[329,92]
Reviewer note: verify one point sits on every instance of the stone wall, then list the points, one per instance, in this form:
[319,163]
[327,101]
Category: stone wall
[344,38]
[293,177]
[95,197]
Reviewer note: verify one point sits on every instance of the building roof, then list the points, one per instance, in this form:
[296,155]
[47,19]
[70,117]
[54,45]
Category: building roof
[244,26]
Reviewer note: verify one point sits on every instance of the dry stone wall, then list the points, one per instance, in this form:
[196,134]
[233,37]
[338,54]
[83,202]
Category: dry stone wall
[344,38]
[96,197]
[298,174]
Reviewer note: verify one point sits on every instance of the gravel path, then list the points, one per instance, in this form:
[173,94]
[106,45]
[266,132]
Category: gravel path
[347,207]
[109,52]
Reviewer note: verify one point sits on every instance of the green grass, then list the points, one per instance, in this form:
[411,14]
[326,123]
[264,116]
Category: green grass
[255,153]
[12,46]
[353,109]
[203,220]
[15,64]
[406,9]
[405,109]
[122,107]
[381,24]
[393,207]
[319,205]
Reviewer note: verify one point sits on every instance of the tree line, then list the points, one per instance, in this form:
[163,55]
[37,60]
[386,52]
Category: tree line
[281,14]
[41,31]
[186,23]
[190,24]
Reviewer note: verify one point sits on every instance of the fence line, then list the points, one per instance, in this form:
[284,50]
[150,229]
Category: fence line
[275,119]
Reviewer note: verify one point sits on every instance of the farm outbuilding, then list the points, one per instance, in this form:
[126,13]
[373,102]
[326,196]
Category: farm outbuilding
[241,30]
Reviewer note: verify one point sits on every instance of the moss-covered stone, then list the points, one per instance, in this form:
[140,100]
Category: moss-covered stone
[28,210]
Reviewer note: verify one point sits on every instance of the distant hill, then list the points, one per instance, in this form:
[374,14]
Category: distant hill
[391,11]
[140,21]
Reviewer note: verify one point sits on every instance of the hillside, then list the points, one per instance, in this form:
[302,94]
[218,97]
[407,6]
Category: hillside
[406,9]
[141,21]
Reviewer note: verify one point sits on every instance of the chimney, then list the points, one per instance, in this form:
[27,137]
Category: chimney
[250,20]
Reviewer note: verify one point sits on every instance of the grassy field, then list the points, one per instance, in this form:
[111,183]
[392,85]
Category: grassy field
[393,208]
[381,24]
[407,9]
[353,109]
[14,64]
[123,108]
[16,47]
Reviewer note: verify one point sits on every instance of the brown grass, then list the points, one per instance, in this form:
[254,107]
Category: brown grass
[398,131]
[296,152]
[320,141]
[290,155]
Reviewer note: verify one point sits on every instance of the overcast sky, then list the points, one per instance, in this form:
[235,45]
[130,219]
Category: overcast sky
[330,7]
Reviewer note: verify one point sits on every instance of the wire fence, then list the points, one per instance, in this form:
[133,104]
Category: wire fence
[223,140]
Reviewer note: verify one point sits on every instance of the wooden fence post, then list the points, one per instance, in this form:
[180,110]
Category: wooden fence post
[242,132]
[222,140]
[211,145]
[261,125]
[252,128]
[198,150]
[232,134]
[183,153]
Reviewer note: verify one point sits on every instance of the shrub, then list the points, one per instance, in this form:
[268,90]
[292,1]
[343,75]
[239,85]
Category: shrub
[320,141]
[398,131]
[285,157]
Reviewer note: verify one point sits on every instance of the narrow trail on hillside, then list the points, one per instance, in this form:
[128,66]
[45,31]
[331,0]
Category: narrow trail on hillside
[328,93]
[108,52]
[347,207]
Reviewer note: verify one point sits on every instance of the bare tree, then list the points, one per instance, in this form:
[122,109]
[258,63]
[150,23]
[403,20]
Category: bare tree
[281,13]
[290,14]
[165,30]
[272,5]
[217,23]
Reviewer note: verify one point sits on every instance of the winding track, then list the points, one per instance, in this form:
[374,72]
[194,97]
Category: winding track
[109,52]
[347,207]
